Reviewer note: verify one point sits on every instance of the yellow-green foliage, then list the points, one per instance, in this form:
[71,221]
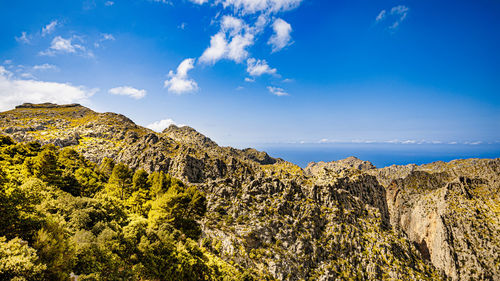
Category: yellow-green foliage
[58,218]
[282,169]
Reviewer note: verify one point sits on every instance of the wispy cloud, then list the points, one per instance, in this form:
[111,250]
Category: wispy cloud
[277,91]
[44,67]
[473,142]
[257,6]
[400,12]
[128,91]
[381,15]
[107,36]
[24,38]
[49,28]
[109,3]
[104,37]
[14,91]
[178,82]
[396,15]
[398,141]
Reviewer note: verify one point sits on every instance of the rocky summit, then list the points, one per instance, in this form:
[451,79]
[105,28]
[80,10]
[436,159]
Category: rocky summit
[341,220]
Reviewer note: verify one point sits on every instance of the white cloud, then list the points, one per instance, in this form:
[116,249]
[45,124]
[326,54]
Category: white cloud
[178,82]
[232,25]
[45,66]
[237,48]
[265,6]
[14,91]
[249,80]
[231,42]
[62,45]
[277,91]
[381,16]
[217,49]
[109,3]
[49,28]
[24,38]
[281,37]
[199,2]
[259,67]
[128,91]
[240,29]
[161,125]
[250,6]
[234,50]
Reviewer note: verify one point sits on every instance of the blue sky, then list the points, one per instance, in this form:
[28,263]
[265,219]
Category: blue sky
[246,72]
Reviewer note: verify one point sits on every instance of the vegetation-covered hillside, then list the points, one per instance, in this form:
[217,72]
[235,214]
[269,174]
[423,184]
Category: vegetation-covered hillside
[62,214]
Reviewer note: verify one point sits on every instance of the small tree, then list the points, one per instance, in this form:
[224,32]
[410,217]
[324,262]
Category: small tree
[119,181]
[140,191]
[106,167]
[45,167]
[159,182]
[180,208]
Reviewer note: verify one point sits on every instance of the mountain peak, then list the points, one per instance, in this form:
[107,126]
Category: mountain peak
[47,105]
[186,134]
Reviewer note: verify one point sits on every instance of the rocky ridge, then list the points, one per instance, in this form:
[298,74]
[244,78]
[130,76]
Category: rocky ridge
[337,220]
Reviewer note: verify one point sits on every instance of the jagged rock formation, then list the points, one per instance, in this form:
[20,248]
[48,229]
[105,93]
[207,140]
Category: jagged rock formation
[337,220]
[451,211]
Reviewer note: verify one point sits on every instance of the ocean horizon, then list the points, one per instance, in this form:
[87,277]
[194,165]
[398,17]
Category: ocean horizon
[379,154]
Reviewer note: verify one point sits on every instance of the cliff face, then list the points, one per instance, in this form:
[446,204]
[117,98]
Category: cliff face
[451,211]
[330,221]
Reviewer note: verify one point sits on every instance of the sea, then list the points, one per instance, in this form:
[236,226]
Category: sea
[380,154]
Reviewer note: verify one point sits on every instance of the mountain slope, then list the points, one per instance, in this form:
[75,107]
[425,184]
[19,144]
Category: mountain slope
[337,220]
[182,152]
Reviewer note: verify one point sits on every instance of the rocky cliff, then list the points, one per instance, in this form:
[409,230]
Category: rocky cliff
[338,220]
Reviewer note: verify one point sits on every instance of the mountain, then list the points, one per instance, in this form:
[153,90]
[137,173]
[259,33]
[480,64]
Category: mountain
[339,220]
